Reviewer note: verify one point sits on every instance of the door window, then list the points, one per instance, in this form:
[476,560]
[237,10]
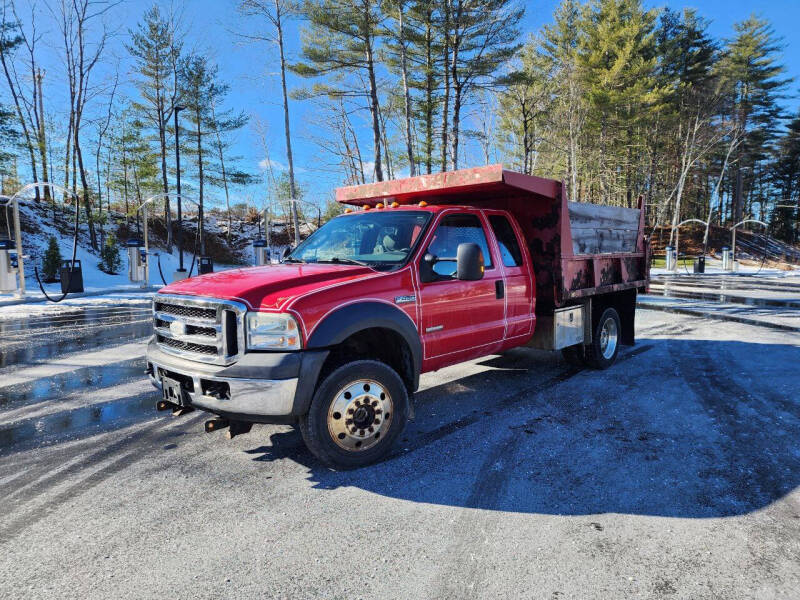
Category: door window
[452,231]
[507,240]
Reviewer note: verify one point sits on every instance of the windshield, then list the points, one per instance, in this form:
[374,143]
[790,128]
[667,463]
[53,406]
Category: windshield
[382,240]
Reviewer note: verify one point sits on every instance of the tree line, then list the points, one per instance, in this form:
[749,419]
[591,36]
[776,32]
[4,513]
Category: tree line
[617,100]
[625,102]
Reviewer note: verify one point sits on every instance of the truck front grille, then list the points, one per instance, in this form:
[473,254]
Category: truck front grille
[181,310]
[187,346]
[200,329]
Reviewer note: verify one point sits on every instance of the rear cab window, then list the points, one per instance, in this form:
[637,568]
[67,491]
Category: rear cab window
[507,241]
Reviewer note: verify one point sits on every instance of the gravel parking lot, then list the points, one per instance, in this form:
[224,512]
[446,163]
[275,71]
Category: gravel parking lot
[672,475]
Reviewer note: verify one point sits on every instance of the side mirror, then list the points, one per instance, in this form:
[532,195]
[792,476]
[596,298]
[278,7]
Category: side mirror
[469,262]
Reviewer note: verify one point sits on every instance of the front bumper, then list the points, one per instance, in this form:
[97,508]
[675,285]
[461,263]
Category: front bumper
[259,387]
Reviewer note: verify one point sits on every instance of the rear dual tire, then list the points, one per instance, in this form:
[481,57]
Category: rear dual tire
[603,351]
[357,413]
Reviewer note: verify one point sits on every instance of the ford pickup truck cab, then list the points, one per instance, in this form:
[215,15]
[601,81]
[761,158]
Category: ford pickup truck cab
[335,338]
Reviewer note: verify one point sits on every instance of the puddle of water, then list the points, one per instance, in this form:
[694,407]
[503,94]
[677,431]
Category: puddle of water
[56,386]
[717,297]
[58,343]
[77,423]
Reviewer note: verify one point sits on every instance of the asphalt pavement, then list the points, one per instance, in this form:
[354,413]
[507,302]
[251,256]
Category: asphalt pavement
[674,474]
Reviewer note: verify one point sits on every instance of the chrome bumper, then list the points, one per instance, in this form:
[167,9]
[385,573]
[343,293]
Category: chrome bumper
[256,397]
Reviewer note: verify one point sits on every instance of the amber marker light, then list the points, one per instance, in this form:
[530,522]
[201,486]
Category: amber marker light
[379,206]
[423,204]
[347,211]
[366,207]
[395,204]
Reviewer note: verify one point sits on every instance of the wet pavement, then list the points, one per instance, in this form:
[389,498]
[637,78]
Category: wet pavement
[676,473]
[25,341]
[745,289]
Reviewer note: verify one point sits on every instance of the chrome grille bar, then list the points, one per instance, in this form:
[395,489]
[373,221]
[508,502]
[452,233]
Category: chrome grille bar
[184,327]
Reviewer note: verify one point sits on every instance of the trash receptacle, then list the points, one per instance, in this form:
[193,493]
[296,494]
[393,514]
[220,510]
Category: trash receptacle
[71,277]
[700,264]
[205,265]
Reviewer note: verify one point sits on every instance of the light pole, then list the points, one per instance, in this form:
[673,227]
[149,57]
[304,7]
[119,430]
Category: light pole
[177,109]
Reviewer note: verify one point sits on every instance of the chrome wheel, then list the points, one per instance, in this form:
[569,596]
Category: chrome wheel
[360,414]
[608,338]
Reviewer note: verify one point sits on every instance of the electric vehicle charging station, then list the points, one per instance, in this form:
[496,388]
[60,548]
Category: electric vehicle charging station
[12,256]
[9,267]
[204,263]
[726,259]
[671,258]
[137,258]
[733,264]
[12,265]
[261,252]
[699,262]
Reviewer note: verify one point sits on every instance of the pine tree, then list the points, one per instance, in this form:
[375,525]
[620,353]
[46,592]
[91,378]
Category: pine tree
[51,263]
[110,261]
[483,36]
[340,43]
[617,59]
[786,179]
[524,103]
[753,77]
[156,49]
[203,94]
[426,39]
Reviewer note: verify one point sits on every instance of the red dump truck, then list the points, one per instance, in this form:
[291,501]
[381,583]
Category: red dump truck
[418,274]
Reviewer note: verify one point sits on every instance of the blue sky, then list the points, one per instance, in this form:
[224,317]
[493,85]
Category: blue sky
[252,72]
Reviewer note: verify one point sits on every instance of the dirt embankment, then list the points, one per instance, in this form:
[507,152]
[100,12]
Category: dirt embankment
[750,245]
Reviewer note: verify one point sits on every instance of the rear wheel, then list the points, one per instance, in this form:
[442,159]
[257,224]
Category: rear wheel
[602,352]
[356,414]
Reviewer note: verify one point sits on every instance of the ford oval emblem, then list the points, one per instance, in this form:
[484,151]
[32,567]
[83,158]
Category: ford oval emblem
[177,328]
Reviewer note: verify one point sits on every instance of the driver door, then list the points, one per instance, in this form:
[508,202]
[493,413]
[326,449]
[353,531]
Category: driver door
[460,319]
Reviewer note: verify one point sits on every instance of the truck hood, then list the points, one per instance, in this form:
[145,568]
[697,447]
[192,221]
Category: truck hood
[268,287]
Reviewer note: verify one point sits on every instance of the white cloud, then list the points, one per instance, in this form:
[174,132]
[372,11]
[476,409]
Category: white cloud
[268,162]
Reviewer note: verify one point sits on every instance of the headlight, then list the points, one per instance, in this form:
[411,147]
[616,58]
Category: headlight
[271,331]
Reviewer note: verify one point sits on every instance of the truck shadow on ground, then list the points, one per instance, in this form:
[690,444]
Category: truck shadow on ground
[679,428]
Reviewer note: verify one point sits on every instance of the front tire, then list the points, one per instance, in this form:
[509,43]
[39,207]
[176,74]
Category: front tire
[356,414]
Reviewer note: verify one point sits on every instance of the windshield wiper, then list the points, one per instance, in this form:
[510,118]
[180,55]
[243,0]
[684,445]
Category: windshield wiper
[347,261]
[294,260]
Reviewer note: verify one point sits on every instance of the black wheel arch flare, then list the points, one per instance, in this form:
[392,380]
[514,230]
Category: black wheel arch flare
[348,320]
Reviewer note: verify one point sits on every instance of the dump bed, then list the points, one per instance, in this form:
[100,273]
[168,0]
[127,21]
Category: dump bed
[578,249]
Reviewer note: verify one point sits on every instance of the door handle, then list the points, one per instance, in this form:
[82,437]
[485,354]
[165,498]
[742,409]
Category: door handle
[499,289]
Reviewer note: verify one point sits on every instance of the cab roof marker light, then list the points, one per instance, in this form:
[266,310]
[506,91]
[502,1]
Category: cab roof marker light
[395,204]
[366,207]
[423,204]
